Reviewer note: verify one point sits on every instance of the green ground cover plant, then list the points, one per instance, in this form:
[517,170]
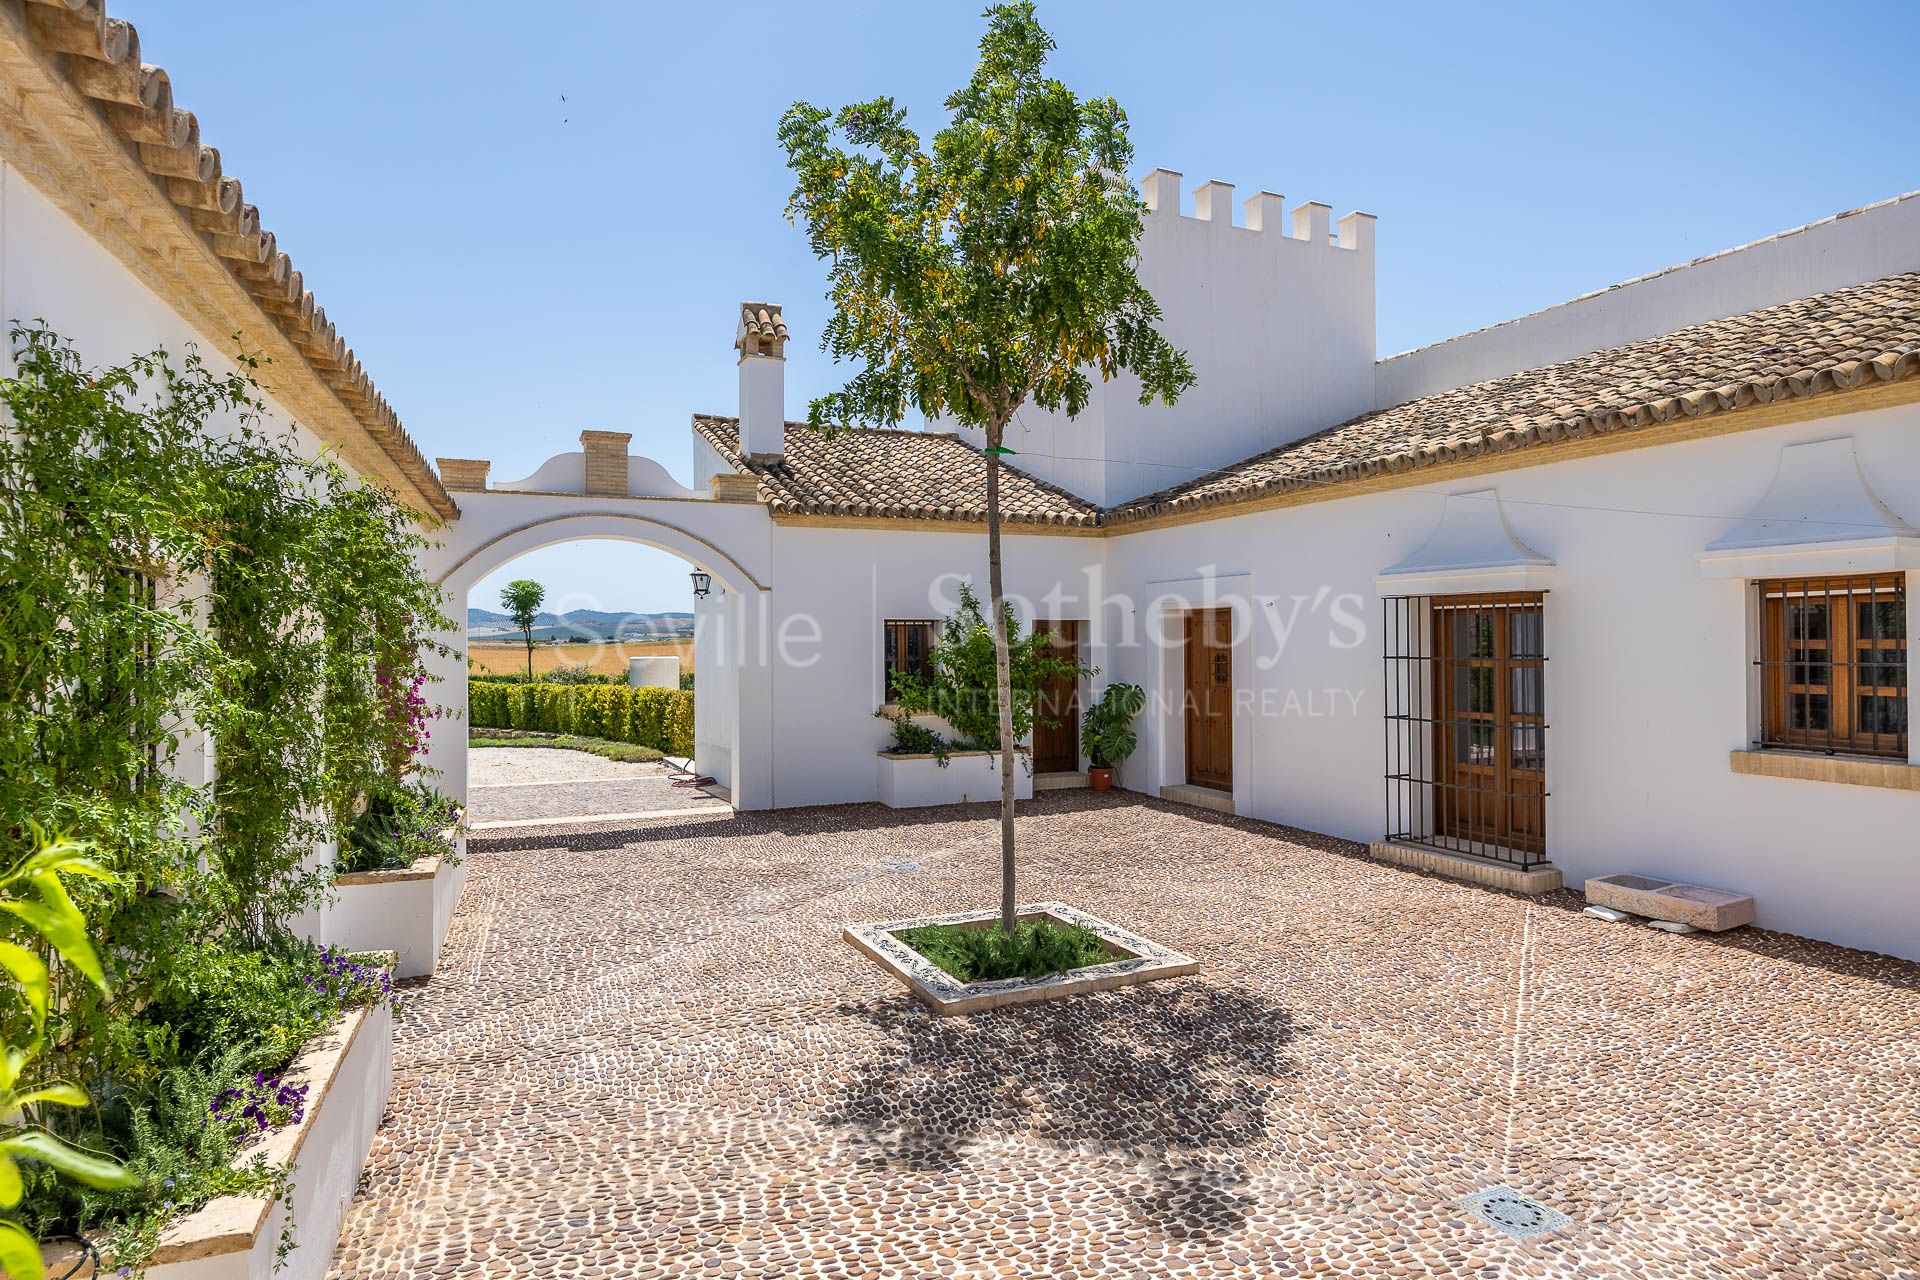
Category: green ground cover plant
[1034,949]
[910,739]
[225,1025]
[626,752]
[401,824]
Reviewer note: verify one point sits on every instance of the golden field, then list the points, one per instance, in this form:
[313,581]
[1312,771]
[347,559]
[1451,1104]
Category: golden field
[608,659]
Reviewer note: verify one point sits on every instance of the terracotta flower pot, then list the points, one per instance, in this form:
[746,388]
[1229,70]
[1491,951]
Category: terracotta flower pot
[1101,777]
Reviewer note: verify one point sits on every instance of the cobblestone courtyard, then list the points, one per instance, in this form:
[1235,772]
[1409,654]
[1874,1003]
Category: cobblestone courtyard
[649,1054]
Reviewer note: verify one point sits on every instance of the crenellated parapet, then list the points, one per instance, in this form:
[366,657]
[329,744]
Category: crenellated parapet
[1264,213]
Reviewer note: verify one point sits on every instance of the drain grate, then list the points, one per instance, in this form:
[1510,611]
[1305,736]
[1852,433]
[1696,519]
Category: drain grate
[904,866]
[1513,1213]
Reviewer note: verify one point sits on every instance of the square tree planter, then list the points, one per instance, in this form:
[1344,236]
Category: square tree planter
[1135,960]
[407,911]
[349,1071]
[914,782]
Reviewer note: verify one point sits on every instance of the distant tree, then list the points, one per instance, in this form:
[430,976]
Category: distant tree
[993,267]
[522,599]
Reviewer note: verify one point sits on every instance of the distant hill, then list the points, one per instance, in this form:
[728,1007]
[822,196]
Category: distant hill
[580,624]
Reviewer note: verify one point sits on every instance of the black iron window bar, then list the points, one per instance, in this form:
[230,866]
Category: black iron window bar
[908,648]
[1465,724]
[1833,665]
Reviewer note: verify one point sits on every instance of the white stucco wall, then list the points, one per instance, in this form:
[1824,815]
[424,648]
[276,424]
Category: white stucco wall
[653,673]
[836,588]
[1647,683]
[53,272]
[716,707]
[1278,323]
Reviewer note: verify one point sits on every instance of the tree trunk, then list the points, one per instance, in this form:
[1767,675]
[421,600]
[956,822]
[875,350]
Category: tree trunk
[529,636]
[1003,675]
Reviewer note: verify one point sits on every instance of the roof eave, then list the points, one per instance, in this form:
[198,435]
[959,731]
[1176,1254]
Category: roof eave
[65,142]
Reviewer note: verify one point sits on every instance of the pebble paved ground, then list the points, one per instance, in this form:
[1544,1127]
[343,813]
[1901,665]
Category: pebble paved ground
[648,1054]
[520,784]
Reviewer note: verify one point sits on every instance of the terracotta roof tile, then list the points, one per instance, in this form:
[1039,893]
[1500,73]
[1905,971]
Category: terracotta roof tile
[1830,342]
[891,474]
[763,330]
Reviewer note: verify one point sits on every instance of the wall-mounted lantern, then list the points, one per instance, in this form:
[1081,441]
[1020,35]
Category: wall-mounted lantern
[702,584]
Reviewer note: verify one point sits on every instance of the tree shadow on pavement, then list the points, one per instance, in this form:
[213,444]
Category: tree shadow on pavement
[1173,1079]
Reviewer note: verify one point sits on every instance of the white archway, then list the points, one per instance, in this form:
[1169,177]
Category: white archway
[619,526]
[728,540]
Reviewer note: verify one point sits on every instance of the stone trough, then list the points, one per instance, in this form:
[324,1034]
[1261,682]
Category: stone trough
[1693,905]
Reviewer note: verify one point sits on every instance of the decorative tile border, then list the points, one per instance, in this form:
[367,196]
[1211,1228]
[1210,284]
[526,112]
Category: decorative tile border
[1139,961]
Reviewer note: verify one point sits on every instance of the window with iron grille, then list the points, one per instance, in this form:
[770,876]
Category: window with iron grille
[1466,727]
[907,646]
[1833,664]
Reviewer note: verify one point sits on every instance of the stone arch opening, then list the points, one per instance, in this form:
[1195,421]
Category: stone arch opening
[500,528]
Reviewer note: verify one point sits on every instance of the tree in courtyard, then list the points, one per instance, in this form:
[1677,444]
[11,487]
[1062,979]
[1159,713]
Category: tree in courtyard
[522,598]
[991,267]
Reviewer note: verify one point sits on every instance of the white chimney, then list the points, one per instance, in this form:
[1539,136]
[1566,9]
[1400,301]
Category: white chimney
[762,342]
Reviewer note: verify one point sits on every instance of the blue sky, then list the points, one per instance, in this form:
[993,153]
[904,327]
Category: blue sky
[512,267]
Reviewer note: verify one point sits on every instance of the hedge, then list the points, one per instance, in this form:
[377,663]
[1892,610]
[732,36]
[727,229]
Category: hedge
[657,718]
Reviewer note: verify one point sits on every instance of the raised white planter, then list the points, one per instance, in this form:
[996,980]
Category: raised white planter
[913,782]
[406,911]
[349,1072]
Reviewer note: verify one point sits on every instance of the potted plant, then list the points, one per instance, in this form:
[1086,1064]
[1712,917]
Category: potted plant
[1107,734]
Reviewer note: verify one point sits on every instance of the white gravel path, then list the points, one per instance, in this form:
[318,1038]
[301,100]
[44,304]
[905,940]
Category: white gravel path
[517,766]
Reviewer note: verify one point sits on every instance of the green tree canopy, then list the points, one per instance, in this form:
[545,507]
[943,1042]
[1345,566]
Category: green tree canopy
[522,599]
[989,268]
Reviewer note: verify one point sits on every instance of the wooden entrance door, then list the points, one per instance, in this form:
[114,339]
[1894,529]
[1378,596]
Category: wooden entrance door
[1490,721]
[1056,746]
[1210,698]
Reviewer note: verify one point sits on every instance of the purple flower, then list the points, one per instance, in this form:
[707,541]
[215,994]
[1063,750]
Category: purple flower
[266,1102]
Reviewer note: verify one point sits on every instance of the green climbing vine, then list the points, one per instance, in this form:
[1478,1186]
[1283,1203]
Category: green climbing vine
[176,572]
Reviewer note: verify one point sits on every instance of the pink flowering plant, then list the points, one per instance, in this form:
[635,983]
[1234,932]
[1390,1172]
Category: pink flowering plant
[407,713]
